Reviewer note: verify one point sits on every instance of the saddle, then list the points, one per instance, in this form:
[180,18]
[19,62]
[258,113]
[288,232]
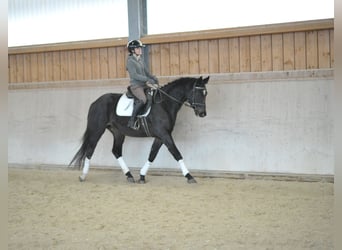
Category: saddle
[126,103]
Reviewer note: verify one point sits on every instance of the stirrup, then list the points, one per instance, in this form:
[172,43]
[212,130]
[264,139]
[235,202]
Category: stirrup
[136,125]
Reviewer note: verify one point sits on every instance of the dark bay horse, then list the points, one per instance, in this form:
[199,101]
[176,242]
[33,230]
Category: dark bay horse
[160,123]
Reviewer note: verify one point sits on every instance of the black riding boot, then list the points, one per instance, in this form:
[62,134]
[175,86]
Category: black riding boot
[138,106]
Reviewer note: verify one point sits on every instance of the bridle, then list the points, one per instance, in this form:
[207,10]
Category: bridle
[192,104]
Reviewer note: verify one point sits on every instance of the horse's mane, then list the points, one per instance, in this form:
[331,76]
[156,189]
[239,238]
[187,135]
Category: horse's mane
[180,81]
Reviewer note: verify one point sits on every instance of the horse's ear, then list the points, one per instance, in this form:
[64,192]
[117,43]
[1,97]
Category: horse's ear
[206,80]
[200,78]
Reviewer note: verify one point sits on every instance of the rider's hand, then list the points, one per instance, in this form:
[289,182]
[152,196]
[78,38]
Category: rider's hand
[155,79]
[151,84]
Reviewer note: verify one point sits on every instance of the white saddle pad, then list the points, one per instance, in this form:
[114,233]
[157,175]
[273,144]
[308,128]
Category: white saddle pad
[125,107]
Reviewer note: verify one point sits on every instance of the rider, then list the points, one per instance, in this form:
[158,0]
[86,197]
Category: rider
[140,77]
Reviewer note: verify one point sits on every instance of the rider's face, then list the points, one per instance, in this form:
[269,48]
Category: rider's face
[138,51]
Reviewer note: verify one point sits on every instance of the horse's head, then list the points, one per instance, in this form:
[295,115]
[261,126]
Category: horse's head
[197,96]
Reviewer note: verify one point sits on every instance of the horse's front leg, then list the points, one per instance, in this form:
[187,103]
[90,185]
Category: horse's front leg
[170,144]
[153,153]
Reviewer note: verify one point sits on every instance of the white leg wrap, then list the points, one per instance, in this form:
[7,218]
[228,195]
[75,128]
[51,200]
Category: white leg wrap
[123,165]
[145,168]
[185,171]
[86,166]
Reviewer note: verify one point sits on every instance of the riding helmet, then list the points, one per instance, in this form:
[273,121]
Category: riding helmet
[131,45]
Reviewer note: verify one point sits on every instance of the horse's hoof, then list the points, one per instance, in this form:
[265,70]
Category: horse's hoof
[142,181]
[81,178]
[190,181]
[130,180]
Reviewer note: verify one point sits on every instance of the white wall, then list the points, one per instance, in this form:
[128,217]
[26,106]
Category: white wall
[256,122]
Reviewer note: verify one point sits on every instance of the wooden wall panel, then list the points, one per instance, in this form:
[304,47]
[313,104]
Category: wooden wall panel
[12,67]
[27,68]
[203,57]
[87,64]
[266,53]
[34,67]
[332,52]
[223,55]
[71,64]
[79,65]
[121,57]
[255,44]
[103,60]
[112,72]
[95,63]
[289,54]
[277,52]
[193,57]
[245,54]
[213,56]
[300,51]
[49,66]
[155,59]
[174,58]
[41,67]
[234,55]
[184,58]
[64,65]
[165,59]
[56,62]
[20,67]
[222,51]
[311,50]
[323,49]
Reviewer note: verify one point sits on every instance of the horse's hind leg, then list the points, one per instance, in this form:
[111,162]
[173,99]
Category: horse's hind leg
[117,152]
[157,143]
[91,140]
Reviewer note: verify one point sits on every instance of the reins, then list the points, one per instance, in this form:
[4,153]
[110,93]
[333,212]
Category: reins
[187,104]
[173,98]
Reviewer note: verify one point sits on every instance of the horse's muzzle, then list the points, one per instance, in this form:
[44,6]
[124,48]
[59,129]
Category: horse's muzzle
[200,113]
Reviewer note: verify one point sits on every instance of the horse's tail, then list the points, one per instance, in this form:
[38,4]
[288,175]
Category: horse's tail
[80,156]
[98,118]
